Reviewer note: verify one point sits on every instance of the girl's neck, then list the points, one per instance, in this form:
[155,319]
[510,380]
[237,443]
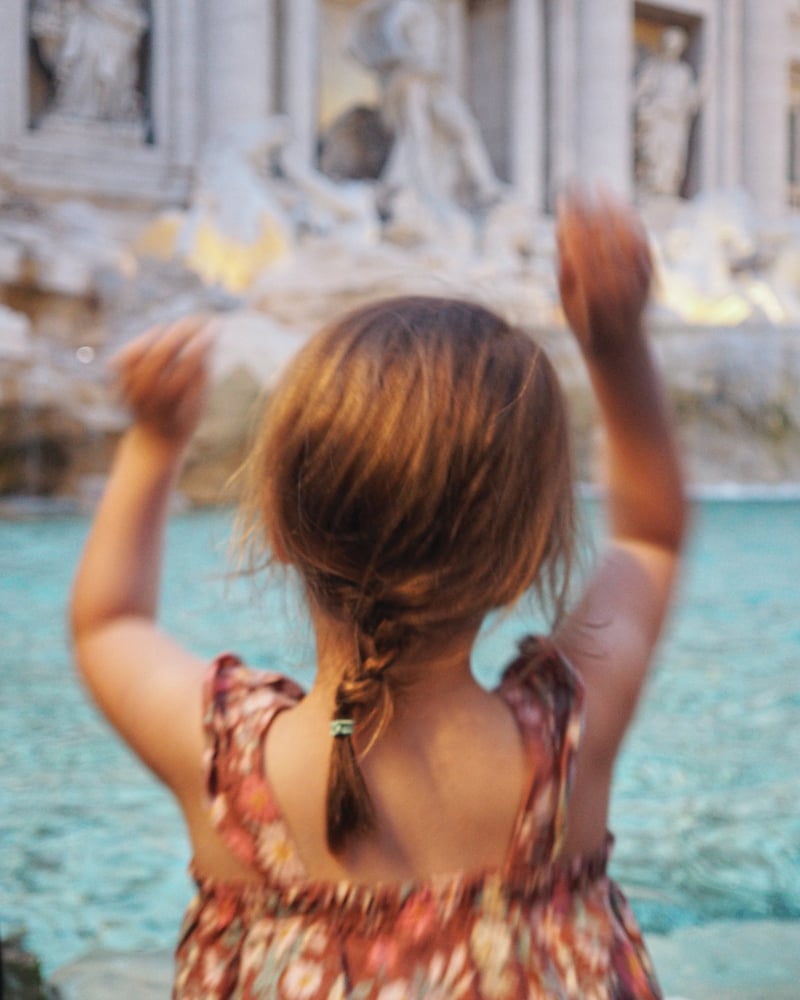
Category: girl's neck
[427,673]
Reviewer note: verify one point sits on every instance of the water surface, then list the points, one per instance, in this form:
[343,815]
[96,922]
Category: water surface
[705,808]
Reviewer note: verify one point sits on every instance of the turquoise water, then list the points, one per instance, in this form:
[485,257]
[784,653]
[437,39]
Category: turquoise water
[706,806]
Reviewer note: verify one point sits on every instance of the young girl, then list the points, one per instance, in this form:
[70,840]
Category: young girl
[399,831]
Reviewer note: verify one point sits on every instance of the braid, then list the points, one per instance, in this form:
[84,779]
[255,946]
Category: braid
[364,696]
[397,526]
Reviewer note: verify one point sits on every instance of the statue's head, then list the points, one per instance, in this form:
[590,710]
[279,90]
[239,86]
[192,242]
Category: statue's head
[674,41]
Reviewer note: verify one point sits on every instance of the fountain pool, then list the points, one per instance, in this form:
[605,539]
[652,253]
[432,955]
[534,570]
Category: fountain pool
[706,807]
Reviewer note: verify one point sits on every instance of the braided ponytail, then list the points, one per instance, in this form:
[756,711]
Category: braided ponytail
[414,467]
[363,697]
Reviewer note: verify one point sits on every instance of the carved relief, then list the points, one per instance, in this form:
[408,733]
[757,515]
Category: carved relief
[667,97]
[437,151]
[92,51]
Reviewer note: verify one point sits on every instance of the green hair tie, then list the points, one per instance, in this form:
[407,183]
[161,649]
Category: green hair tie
[342,727]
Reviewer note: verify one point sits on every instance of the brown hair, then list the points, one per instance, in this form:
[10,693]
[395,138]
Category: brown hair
[413,465]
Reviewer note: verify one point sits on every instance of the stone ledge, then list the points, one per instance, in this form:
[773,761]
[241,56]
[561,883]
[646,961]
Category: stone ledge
[729,960]
[132,975]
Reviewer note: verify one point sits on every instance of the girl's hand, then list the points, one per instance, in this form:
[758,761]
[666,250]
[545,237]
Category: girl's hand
[163,377]
[604,272]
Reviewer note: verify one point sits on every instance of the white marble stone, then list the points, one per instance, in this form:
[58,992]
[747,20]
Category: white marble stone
[729,137]
[15,339]
[728,960]
[551,82]
[455,40]
[92,51]
[300,71]
[528,100]
[147,161]
[605,65]
[239,38]
[438,169]
[765,103]
[667,96]
[563,41]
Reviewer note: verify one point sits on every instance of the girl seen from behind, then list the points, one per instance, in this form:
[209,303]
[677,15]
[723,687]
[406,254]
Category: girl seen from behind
[400,831]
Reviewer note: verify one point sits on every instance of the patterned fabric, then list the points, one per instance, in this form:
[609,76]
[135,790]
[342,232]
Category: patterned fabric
[535,928]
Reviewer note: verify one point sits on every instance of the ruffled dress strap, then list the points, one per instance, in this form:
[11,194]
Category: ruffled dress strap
[546,695]
[239,704]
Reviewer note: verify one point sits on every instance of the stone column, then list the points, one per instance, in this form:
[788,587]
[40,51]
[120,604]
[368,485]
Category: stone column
[706,170]
[563,43]
[239,54]
[455,43]
[14,45]
[604,86]
[177,104]
[526,49]
[300,70]
[765,93]
[731,97]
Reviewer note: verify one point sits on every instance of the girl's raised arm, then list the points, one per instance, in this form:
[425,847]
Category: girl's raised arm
[604,278]
[144,682]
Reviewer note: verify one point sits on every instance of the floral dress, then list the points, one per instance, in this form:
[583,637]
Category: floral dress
[535,928]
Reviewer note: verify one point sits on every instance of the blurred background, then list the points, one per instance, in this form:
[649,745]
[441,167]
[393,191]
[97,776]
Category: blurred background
[277,161]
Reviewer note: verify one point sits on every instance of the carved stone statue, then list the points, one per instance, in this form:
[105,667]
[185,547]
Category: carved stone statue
[437,150]
[254,197]
[92,49]
[667,97]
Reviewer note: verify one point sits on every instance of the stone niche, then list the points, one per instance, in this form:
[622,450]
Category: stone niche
[97,101]
[650,23]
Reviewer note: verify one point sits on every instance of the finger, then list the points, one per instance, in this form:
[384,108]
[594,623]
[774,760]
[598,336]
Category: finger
[157,352]
[128,354]
[163,395]
[163,337]
[190,370]
[139,361]
[165,349]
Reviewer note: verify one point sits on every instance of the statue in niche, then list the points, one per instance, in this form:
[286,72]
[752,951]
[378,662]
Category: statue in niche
[437,154]
[91,48]
[667,97]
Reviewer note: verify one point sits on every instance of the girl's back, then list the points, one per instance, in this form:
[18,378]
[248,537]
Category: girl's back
[399,831]
[507,915]
[446,777]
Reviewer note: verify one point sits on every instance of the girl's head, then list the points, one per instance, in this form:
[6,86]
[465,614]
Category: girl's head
[413,465]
